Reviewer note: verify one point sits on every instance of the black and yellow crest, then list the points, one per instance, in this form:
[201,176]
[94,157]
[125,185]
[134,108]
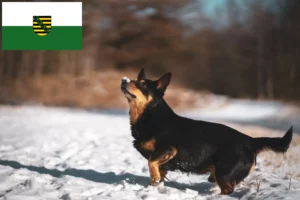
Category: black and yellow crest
[42,25]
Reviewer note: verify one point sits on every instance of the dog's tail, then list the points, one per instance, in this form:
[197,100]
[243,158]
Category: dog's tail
[278,145]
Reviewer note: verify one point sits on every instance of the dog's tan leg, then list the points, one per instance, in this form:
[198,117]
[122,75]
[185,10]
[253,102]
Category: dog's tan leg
[163,174]
[155,161]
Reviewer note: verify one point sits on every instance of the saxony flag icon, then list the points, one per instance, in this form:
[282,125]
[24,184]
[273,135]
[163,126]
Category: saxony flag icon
[41,25]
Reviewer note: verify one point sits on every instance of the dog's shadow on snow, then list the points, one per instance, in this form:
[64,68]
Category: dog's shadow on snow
[108,177]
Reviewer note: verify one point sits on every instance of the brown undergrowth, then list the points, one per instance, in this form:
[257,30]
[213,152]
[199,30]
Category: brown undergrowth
[92,90]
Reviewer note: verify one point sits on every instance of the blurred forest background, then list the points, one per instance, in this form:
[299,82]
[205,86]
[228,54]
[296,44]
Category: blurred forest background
[243,48]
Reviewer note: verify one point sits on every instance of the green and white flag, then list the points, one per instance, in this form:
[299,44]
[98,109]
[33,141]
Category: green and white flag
[41,25]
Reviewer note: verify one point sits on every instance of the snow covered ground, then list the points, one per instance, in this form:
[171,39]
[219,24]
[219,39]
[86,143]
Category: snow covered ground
[270,114]
[59,153]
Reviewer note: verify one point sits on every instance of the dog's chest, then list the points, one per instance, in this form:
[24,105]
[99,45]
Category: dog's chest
[145,139]
[142,132]
[145,147]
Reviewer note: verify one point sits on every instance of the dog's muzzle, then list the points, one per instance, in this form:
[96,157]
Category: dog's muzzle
[125,80]
[124,83]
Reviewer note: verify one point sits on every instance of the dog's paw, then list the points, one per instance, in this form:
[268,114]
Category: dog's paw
[155,181]
[211,179]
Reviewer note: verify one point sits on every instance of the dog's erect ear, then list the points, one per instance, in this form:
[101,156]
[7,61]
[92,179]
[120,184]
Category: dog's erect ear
[141,75]
[163,82]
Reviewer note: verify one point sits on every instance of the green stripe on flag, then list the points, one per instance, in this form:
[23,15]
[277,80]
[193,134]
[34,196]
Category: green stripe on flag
[59,38]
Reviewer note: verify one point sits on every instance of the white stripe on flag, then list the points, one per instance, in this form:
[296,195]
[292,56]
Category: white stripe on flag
[21,13]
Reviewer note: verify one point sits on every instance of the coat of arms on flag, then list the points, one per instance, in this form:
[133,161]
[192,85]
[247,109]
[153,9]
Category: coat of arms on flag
[42,25]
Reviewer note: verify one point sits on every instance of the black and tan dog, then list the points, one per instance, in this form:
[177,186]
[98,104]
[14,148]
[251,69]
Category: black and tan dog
[170,142]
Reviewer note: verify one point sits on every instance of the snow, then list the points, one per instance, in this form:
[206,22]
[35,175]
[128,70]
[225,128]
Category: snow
[60,153]
[243,110]
[269,114]
[127,80]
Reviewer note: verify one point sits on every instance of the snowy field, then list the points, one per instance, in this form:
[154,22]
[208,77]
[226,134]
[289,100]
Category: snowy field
[270,114]
[57,153]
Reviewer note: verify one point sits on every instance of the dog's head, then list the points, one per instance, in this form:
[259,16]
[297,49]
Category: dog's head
[142,92]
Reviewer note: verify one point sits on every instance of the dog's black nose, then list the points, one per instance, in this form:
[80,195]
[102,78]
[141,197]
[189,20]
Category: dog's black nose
[125,80]
[124,83]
